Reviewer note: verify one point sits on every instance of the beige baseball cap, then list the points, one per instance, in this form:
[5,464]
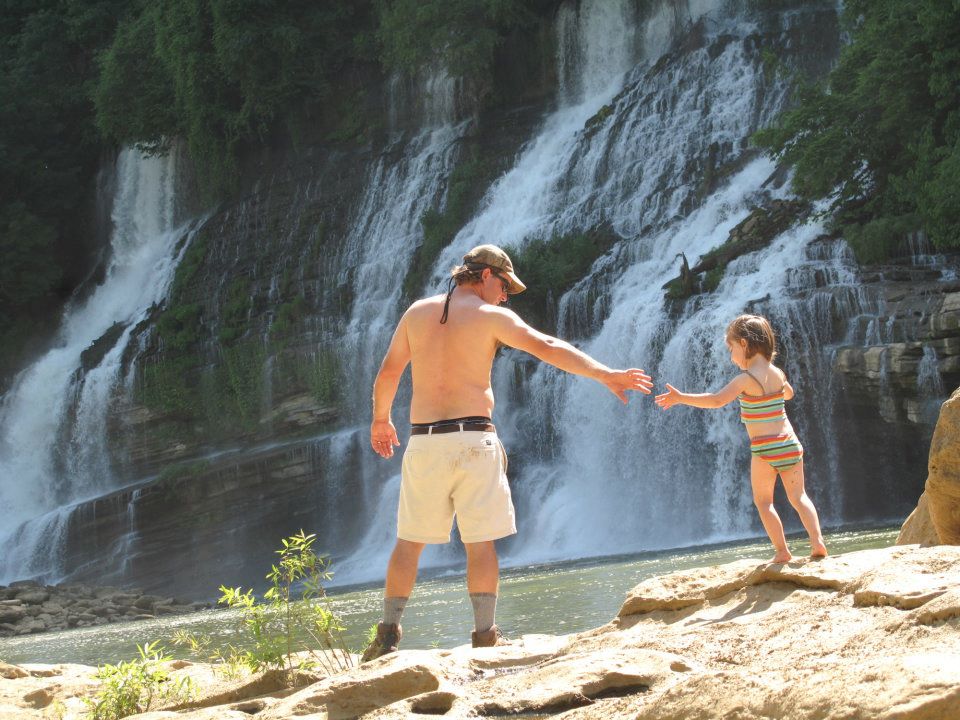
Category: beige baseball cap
[496,259]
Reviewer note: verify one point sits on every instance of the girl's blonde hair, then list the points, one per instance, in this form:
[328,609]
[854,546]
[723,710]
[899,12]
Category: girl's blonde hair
[757,333]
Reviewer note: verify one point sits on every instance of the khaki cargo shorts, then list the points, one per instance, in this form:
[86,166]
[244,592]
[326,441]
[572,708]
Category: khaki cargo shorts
[458,473]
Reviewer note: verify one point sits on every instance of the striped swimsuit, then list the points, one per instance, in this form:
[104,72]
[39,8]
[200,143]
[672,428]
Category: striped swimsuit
[781,451]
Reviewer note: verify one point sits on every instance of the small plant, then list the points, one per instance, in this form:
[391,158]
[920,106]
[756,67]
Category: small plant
[230,663]
[134,687]
[294,617]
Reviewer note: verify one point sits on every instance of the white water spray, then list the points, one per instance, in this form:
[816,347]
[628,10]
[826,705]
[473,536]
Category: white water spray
[53,422]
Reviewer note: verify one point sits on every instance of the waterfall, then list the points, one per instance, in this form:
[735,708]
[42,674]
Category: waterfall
[404,183]
[647,137]
[54,450]
[618,479]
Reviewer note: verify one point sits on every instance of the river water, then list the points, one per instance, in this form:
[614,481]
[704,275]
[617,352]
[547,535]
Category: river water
[557,599]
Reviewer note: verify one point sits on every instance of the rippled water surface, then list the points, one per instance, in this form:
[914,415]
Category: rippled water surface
[557,599]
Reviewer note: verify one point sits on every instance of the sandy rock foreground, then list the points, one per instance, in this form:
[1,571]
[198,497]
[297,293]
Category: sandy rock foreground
[871,634]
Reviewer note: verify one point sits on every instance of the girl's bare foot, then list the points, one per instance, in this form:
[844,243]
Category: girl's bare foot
[818,551]
[782,556]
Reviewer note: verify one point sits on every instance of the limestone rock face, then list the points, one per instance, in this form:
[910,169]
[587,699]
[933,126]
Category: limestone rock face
[943,478]
[870,634]
[918,528]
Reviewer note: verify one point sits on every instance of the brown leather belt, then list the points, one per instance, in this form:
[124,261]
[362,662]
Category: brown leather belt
[452,427]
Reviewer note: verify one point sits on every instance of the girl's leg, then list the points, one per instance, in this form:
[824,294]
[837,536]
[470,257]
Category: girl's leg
[763,479]
[793,483]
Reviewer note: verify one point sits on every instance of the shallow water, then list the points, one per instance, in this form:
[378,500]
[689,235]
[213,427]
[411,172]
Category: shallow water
[557,599]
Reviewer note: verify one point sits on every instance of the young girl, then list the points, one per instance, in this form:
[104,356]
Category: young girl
[762,389]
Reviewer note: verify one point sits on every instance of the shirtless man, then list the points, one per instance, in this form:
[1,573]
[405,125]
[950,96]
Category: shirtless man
[454,462]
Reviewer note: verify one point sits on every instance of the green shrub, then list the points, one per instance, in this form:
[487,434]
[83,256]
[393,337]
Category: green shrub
[880,136]
[712,278]
[294,617]
[881,239]
[133,687]
[235,310]
[467,183]
[551,267]
[164,385]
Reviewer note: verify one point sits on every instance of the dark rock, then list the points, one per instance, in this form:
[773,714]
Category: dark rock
[147,602]
[94,354]
[33,597]
[11,613]
[25,584]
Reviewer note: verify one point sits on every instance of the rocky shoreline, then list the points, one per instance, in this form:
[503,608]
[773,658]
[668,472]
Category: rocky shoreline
[868,634]
[28,607]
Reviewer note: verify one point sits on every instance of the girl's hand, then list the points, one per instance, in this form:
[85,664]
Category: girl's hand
[670,398]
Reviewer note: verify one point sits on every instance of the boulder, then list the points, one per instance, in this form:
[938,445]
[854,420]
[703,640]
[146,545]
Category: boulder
[943,473]
[918,528]
[33,596]
[11,613]
[12,672]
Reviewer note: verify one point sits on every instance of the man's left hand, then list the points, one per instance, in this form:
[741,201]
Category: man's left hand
[383,438]
[620,381]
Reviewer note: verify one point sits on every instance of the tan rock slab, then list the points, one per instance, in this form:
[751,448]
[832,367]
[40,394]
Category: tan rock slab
[373,685]
[685,588]
[943,468]
[918,528]
[218,713]
[909,580]
[12,672]
[940,609]
[870,635]
[579,679]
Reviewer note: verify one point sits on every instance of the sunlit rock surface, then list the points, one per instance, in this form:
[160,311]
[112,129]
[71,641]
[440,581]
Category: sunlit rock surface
[870,634]
[936,519]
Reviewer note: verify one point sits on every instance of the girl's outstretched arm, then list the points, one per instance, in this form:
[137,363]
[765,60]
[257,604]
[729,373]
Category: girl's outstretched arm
[703,400]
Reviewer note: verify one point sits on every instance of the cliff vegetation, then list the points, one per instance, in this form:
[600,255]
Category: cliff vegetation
[229,77]
[880,136]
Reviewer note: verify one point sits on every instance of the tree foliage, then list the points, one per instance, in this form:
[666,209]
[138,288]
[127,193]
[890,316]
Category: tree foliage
[881,135]
[458,35]
[80,77]
[49,149]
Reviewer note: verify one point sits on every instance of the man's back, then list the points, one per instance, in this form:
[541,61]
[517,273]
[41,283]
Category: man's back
[451,361]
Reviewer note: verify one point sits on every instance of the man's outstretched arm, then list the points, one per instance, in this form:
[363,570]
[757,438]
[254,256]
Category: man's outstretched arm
[383,435]
[513,331]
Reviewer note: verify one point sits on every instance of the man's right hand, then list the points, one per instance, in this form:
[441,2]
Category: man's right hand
[383,437]
[620,381]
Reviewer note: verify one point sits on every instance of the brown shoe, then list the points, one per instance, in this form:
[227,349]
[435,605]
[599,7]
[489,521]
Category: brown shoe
[386,641]
[489,638]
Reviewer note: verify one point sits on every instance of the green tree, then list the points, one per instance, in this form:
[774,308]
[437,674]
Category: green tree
[459,35]
[49,153]
[881,135]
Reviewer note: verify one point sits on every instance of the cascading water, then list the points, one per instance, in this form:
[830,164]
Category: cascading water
[649,140]
[628,172]
[381,242]
[53,446]
[622,479]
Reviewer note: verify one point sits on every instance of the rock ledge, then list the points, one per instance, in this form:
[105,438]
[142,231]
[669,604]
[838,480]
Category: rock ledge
[870,634]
